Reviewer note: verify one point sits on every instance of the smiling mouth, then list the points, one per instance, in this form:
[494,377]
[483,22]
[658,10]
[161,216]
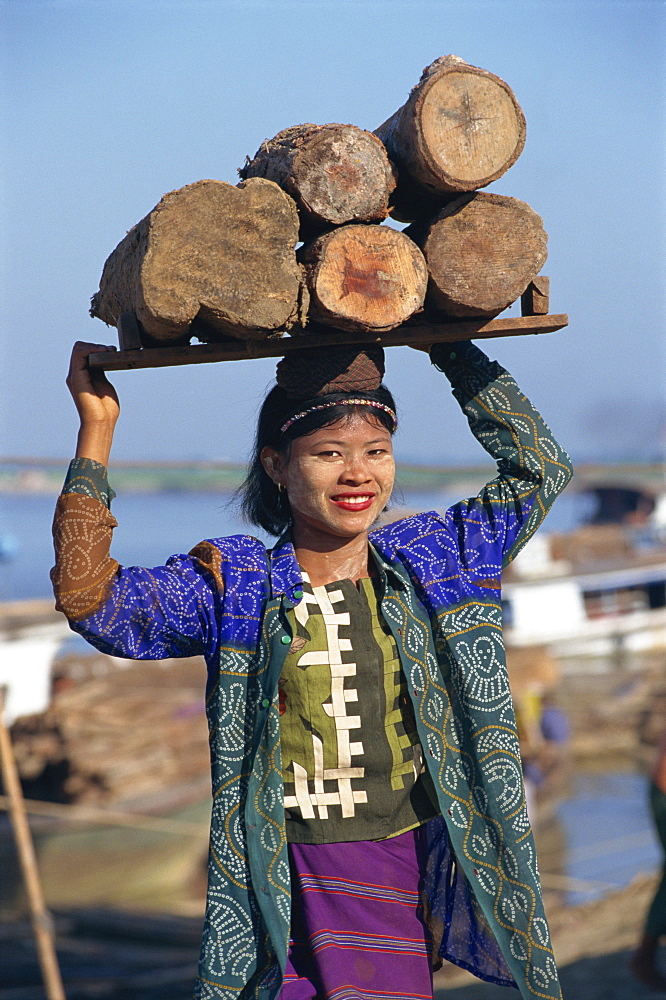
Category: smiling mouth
[353,501]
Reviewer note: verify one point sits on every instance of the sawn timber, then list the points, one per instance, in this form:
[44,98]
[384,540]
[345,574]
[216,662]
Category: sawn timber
[403,336]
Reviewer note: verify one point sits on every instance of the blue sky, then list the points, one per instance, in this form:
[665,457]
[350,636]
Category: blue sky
[108,105]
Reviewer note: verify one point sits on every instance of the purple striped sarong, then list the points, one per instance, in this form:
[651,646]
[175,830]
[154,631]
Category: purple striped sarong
[358,931]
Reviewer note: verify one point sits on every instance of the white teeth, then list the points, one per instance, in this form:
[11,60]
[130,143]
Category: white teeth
[359,499]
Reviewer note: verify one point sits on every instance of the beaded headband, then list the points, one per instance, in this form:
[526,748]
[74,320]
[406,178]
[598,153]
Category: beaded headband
[340,402]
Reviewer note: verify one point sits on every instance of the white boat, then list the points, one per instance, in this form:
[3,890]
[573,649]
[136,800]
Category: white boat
[31,633]
[597,591]
[589,613]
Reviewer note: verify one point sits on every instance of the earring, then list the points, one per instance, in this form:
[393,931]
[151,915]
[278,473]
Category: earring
[280,488]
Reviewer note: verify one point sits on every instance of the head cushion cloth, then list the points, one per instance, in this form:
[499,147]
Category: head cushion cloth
[317,372]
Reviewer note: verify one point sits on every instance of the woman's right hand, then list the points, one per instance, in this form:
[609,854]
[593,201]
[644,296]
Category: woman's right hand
[96,401]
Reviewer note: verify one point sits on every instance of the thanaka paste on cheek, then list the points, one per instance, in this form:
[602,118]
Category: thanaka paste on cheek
[324,470]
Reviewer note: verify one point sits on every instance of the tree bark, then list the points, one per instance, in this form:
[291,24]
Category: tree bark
[364,278]
[335,173]
[482,252]
[221,255]
[460,129]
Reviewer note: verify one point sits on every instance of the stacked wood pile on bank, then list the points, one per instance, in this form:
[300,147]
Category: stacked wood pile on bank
[124,734]
[299,243]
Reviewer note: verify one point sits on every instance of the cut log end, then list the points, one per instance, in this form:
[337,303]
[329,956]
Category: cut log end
[460,129]
[364,278]
[344,176]
[209,250]
[472,129]
[482,252]
[336,174]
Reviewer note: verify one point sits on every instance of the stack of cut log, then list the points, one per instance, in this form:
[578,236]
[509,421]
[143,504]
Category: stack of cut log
[298,245]
[90,748]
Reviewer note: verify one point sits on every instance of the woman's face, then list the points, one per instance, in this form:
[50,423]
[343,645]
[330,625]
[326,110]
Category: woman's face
[338,479]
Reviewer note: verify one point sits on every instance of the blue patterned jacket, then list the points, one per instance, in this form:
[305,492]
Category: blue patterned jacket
[229,600]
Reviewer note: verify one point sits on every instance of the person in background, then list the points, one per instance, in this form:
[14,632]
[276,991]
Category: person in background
[643,962]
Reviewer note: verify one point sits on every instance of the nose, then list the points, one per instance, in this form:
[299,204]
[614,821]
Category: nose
[356,471]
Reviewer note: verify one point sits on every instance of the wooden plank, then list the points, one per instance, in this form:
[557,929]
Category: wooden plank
[243,350]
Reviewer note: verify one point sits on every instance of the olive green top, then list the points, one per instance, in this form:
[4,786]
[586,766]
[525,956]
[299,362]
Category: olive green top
[352,762]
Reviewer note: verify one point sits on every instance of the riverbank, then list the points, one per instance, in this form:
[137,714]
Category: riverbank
[25,476]
[86,742]
[592,943]
[111,954]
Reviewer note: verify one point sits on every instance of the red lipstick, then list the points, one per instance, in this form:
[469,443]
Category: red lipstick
[346,501]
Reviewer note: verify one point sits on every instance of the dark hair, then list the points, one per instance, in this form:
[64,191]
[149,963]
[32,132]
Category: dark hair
[261,502]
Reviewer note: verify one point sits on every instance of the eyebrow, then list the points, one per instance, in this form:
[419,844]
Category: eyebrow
[336,441]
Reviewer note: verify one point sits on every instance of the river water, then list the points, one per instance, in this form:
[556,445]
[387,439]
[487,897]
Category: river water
[600,836]
[153,526]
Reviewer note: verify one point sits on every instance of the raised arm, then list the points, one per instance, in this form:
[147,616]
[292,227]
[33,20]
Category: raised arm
[532,468]
[83,524]
[131,612]
[96,401]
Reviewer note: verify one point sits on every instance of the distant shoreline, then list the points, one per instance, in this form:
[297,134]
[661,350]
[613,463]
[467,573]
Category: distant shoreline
[24,476]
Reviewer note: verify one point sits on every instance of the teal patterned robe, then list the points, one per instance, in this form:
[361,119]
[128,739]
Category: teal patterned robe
[228,600]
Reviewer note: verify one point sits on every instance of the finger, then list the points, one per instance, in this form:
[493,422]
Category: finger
[82,349]
[80,353]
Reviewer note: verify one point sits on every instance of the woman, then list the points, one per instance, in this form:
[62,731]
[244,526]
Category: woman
[368,809]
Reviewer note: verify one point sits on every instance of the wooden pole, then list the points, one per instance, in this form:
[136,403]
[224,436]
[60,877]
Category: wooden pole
[42,921]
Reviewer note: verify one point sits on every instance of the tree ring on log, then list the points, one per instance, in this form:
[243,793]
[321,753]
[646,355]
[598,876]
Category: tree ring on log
[482,251]
[460,129]
[364,278]
[343,175]
[472,128]
[335,174]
